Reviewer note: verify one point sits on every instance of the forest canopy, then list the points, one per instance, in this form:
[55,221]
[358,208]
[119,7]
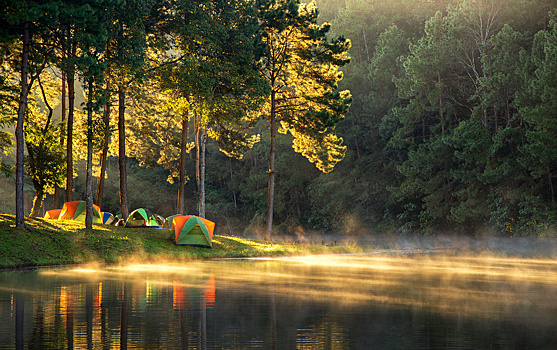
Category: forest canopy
[403,116]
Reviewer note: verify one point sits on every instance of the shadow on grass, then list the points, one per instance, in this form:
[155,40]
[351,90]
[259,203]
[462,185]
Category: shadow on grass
[8,221]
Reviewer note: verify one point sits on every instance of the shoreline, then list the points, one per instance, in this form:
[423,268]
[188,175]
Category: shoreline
[51,243]
[57,243]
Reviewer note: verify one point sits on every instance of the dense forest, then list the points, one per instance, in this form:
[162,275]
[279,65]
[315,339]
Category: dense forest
[351,117]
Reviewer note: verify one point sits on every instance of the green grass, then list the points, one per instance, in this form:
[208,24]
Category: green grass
[50,242]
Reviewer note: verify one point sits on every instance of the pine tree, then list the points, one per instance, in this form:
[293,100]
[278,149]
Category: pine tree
[301,66]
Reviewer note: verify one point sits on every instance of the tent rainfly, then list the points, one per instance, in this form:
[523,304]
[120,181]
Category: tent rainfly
[193,230]
[75,210]
[142,218]
[108,218]
[52,214]
[169,221]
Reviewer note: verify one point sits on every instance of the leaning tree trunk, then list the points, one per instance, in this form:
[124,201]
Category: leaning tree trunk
[89,174]
[122,153]
[38,201]
[272,172]
[19,199]
[181,185]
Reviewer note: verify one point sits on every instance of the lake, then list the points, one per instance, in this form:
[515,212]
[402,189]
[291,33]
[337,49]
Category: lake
[374,301]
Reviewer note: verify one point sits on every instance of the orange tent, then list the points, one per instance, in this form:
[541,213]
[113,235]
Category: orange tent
[75,210]
[52,214]
[193,230]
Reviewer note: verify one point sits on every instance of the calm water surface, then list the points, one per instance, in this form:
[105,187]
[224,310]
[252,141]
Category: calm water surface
[350,302]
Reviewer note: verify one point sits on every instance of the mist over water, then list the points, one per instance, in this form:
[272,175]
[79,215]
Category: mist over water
[471,245]
[414,296]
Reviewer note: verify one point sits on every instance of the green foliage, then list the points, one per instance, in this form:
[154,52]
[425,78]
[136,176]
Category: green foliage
[451,126]
[302,67]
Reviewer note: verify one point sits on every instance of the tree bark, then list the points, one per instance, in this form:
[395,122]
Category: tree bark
[202,158]
[197,130]
[89,175]
[37,203]
[56,198]
[181,185]
[104,155]
[69,135]
[200,140]
[272,173]
[19,135]
[122,153]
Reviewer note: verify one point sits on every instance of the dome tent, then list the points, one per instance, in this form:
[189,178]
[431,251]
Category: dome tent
[75,210]
[193,230]
[169,221]
[142,218]
[52,214]
[108,218]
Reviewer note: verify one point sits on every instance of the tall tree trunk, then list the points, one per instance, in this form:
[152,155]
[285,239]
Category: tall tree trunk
[181,185]
[272,173]
[203,141]
[200,140]
[69,135]
[196,131]
[104,155]
[19,135]
[122,153]
[62,120]
[89,175]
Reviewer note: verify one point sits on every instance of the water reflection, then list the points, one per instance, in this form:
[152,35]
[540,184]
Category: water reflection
[351,302]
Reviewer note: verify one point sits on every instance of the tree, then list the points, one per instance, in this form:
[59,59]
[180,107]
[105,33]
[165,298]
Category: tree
[68,33]
[45,160]
[217,75]
[27,18]
[159,133]
[129,41]
[301,66]
[8,96]
[539,108]
[19,136]
[92,46]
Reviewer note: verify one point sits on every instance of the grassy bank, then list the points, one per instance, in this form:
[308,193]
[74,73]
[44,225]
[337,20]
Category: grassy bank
[46,242]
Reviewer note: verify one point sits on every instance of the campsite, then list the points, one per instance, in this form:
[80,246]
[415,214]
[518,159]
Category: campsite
[187,229]
[278,174]
[63,242]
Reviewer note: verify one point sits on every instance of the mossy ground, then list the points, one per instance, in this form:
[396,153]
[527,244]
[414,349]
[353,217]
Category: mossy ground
[50,242]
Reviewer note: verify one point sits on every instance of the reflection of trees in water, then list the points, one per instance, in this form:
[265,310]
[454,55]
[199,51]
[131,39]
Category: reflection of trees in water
[286,306]
[19,317]
[327,333]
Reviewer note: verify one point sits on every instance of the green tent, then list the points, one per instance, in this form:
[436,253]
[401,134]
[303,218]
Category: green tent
[76,210]
[169,220]
[142,218]
[193,230]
